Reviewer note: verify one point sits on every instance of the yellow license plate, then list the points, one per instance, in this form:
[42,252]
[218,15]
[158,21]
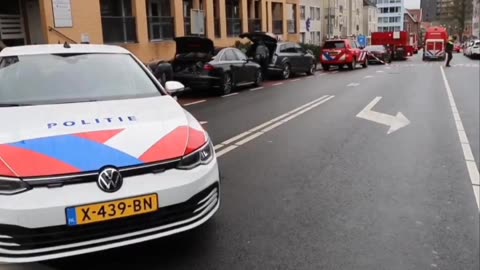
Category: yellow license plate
[99,212]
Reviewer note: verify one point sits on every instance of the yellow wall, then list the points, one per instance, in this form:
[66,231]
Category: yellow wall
[87,20]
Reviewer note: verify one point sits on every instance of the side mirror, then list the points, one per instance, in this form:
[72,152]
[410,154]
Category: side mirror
[174,88]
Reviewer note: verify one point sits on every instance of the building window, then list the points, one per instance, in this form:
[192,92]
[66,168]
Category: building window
[302,12]
[340,8]
[118,23]
[319,38]
[312,37]
[234,22]
[318,14]
[291,22]
[312,13]
[160,20]
[358,27]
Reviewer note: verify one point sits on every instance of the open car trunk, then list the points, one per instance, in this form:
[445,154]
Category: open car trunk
[192,53]
[256,37]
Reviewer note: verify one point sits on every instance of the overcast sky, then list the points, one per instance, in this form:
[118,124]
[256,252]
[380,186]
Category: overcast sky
[412,3]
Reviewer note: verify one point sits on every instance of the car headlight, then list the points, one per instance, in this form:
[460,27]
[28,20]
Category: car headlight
[10,186]
[200,157]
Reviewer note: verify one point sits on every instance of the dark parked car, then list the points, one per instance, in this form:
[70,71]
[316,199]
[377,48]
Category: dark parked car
[198,65]
[286,58]
[378,54]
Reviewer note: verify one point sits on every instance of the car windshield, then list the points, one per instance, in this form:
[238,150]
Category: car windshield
[65,78]
[375,48]
[334,45]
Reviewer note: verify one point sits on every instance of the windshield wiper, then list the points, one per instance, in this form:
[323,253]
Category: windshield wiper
[14,104]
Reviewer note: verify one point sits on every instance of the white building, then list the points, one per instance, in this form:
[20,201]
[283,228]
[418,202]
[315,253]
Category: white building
[390,15]
[476,18]
[355,17]
[370,18]
[336,18]
[311,21]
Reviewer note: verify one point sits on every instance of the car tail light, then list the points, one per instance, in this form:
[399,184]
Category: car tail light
[208,67]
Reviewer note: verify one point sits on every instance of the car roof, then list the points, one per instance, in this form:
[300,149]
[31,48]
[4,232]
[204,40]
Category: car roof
[61,49]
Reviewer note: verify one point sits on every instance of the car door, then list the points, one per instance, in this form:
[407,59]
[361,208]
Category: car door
[288,51]
[234,65]
[304,60]
[249,69]
[355,50]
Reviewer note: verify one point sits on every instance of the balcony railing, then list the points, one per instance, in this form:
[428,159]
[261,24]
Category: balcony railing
[160,28]
[291,26]
[118,29]
[277,26]
[234,27]
[218,29]
[254,25]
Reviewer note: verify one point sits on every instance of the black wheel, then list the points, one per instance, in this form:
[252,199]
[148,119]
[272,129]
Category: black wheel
[286,72]
[227,84]
[365,64]
[313,68]
[326,67]
[352,65]
[258,78]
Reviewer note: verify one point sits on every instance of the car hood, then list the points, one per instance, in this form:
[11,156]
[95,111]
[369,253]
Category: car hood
[72,138]
[194,44]
[257,36]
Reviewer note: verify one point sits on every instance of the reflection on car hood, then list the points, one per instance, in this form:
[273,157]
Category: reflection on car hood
[79,137]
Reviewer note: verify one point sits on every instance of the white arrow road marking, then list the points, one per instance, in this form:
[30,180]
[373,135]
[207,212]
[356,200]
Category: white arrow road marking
[353,84]
[368,77]
[394,122]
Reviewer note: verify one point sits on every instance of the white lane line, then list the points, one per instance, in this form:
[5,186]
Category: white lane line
[353,84]
[203,122]
[226,150]
[368,77]
[229,95]
[194,102]
[322,74]
[267,126]
[294,80]
[380,71]
[256,88]
[279,83]
[462,136]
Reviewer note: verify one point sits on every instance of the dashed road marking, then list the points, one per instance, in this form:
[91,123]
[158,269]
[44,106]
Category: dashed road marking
[368,77]
[279,83]
[229,95]
[380,71]
[256,88]
[353,84]
[462,136]
[194,102]
[261,129]
[203,122]
[294,80]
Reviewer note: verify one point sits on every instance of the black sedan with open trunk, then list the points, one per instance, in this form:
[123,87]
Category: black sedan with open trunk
[199,66]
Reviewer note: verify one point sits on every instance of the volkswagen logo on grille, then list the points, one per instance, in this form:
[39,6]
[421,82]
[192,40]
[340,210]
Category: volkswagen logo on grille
[110,180]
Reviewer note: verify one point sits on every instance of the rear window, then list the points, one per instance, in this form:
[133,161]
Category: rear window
[334,45]
[65,78]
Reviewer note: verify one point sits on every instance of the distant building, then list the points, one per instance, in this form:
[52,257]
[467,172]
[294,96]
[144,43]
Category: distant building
[390,15]
[370,17]
[311,21]
[476,18]
[355,17]
[429,8]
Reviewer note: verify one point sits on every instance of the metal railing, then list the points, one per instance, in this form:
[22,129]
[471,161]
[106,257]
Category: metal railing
[51,29]
[234,27]
[118,29]
[277,26]
[160,28]
[11,27]
[254,25]
[291,26]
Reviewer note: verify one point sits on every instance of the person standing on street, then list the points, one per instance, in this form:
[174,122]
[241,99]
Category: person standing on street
[262,55]
[449,50]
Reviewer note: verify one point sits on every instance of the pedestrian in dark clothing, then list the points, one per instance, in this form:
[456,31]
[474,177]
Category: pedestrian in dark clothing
[262,55]
[449,50]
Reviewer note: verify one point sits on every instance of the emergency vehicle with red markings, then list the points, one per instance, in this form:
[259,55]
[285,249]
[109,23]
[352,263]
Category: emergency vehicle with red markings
[398,42]
[343,52]
[435,40]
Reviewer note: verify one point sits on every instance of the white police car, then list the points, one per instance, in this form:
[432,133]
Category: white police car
[95,154]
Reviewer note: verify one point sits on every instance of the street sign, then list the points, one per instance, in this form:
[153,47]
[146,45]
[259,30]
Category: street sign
[197,21]
[362,40]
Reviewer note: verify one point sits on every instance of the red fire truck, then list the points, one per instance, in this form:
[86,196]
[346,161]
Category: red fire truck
[434,46]
[397,42]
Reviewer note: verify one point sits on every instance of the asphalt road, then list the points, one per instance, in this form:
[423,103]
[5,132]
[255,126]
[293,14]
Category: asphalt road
[320,188]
